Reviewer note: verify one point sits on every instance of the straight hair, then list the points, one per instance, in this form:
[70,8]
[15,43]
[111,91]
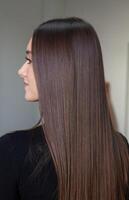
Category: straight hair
[91,159]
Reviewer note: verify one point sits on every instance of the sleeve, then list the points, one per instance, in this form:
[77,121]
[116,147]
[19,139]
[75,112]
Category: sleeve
[8,183]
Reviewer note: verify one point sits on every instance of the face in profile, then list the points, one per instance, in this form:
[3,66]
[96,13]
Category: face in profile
[27,74]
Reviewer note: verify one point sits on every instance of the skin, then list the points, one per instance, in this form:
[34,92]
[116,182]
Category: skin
[27,74]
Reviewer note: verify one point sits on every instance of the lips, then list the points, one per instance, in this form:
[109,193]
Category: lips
[26,83]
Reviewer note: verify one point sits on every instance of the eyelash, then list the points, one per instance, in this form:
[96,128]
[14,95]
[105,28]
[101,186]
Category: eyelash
[29,60]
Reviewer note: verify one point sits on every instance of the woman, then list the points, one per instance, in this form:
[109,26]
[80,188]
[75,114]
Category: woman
[64,72]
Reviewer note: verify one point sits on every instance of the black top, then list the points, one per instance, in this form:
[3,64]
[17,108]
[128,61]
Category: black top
[23,174]
[26,168]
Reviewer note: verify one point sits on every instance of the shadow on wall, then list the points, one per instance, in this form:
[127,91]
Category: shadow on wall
[127,97]
[111,109]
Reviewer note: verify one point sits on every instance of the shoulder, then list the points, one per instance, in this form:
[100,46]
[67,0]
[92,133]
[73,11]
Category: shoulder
[15,145]
[14,148]
[122,137]
[19,138]
[121,142]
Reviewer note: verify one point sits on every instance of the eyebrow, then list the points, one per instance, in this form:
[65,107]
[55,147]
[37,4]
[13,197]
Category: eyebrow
[28,52]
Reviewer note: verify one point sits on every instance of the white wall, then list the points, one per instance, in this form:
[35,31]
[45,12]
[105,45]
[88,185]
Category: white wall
[110,19]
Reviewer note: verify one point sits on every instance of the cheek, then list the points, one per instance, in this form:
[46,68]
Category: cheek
[32,77]
[32,84]
[31,92]
[30,74]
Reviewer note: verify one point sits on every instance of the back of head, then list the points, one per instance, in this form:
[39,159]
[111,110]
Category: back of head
[68,66]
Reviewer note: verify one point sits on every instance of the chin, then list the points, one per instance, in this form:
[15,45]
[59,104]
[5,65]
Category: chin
[31,99]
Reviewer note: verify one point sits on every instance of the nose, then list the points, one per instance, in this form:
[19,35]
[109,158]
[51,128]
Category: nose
[22,71]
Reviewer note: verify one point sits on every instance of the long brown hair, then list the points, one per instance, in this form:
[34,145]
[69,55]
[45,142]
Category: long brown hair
[91,159]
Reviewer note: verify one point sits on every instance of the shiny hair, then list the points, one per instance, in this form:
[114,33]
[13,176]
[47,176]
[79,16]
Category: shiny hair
[91,159]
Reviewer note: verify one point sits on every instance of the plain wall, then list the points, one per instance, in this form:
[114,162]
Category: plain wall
[53,9]
[17,20]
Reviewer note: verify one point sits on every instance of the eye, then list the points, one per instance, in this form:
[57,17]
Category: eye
[29,61]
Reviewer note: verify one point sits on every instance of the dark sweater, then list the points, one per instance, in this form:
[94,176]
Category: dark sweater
[26,168]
